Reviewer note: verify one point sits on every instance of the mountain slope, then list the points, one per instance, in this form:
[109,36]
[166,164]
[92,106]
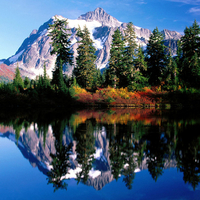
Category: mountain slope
[6,74]
[35,50]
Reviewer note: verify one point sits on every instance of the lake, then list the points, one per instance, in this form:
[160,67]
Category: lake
[100,154]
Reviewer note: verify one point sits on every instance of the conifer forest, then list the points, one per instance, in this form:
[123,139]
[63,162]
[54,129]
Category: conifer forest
[135,76]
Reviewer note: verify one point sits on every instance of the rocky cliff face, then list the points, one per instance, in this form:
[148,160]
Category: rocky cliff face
[35,50]
[101,16]
[171,35]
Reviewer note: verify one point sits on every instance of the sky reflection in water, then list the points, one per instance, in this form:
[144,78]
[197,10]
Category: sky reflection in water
[147,135]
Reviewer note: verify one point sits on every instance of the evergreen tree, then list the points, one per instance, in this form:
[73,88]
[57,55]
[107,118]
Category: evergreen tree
[116,61]
[85,69]
[190,62]
[40,85]
[171,75]
[98,79]
[128,72]
[18,82]
[26,82]
[61,47]
[191,40]
[46,82]
[156,57]
[139,79]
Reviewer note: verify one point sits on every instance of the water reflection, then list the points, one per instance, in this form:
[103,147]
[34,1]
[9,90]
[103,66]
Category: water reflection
[60,160]
[96,147]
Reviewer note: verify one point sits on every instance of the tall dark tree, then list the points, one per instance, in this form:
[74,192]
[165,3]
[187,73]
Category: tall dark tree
[171,72]
[18,82]
[116,61]
[85,69]
[61,48]
[190,65]
[140,79]
[26,82]
[46,82]
[127,74]
[156,57]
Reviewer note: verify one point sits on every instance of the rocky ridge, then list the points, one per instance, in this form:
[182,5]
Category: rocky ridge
[35,50]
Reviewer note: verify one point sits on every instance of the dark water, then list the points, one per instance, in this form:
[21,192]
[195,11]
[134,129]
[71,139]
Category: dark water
[100,154]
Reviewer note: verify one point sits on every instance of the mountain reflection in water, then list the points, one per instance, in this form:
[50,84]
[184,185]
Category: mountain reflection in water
[96,147]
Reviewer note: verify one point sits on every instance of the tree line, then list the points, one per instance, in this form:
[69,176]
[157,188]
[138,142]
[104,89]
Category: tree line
[135,67]
[129,65]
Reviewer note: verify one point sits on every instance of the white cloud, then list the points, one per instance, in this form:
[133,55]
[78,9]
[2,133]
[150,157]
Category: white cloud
[195,10]
[191,2]
[141,2]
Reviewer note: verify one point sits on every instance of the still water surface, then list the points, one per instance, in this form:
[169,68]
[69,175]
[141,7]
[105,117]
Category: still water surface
[95,154]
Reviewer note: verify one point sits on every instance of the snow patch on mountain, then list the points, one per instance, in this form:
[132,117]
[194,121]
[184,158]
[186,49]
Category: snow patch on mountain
[72,173]
[75,23]
[91,27]
[94,173]
[98,154]
[40,71]
[137,27]
[73,42]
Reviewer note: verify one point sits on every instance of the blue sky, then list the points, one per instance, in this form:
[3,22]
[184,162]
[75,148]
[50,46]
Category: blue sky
[19,17]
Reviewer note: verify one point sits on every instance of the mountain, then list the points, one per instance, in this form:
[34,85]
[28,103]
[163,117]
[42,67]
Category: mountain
[101,16]
[35,50]
[6,74]
[2,61]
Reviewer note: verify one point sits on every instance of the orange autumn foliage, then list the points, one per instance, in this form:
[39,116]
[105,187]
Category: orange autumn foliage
[116,96]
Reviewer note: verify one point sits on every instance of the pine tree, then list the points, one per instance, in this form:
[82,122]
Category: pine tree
[190,64]
[156,57]
[171,72]
[116,61]
[139,79]
[18,82]
[61,47]
[26,82]
[46,82]
[98,79]
[85,69]
[127,74]
[191,40]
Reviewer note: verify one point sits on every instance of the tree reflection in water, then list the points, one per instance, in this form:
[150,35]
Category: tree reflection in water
[85,148]
[60,166]
[188,153]
[60,160]
[135,139]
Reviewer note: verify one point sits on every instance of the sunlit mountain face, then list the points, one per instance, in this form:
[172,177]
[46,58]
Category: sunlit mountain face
[97,148]
[35,49]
